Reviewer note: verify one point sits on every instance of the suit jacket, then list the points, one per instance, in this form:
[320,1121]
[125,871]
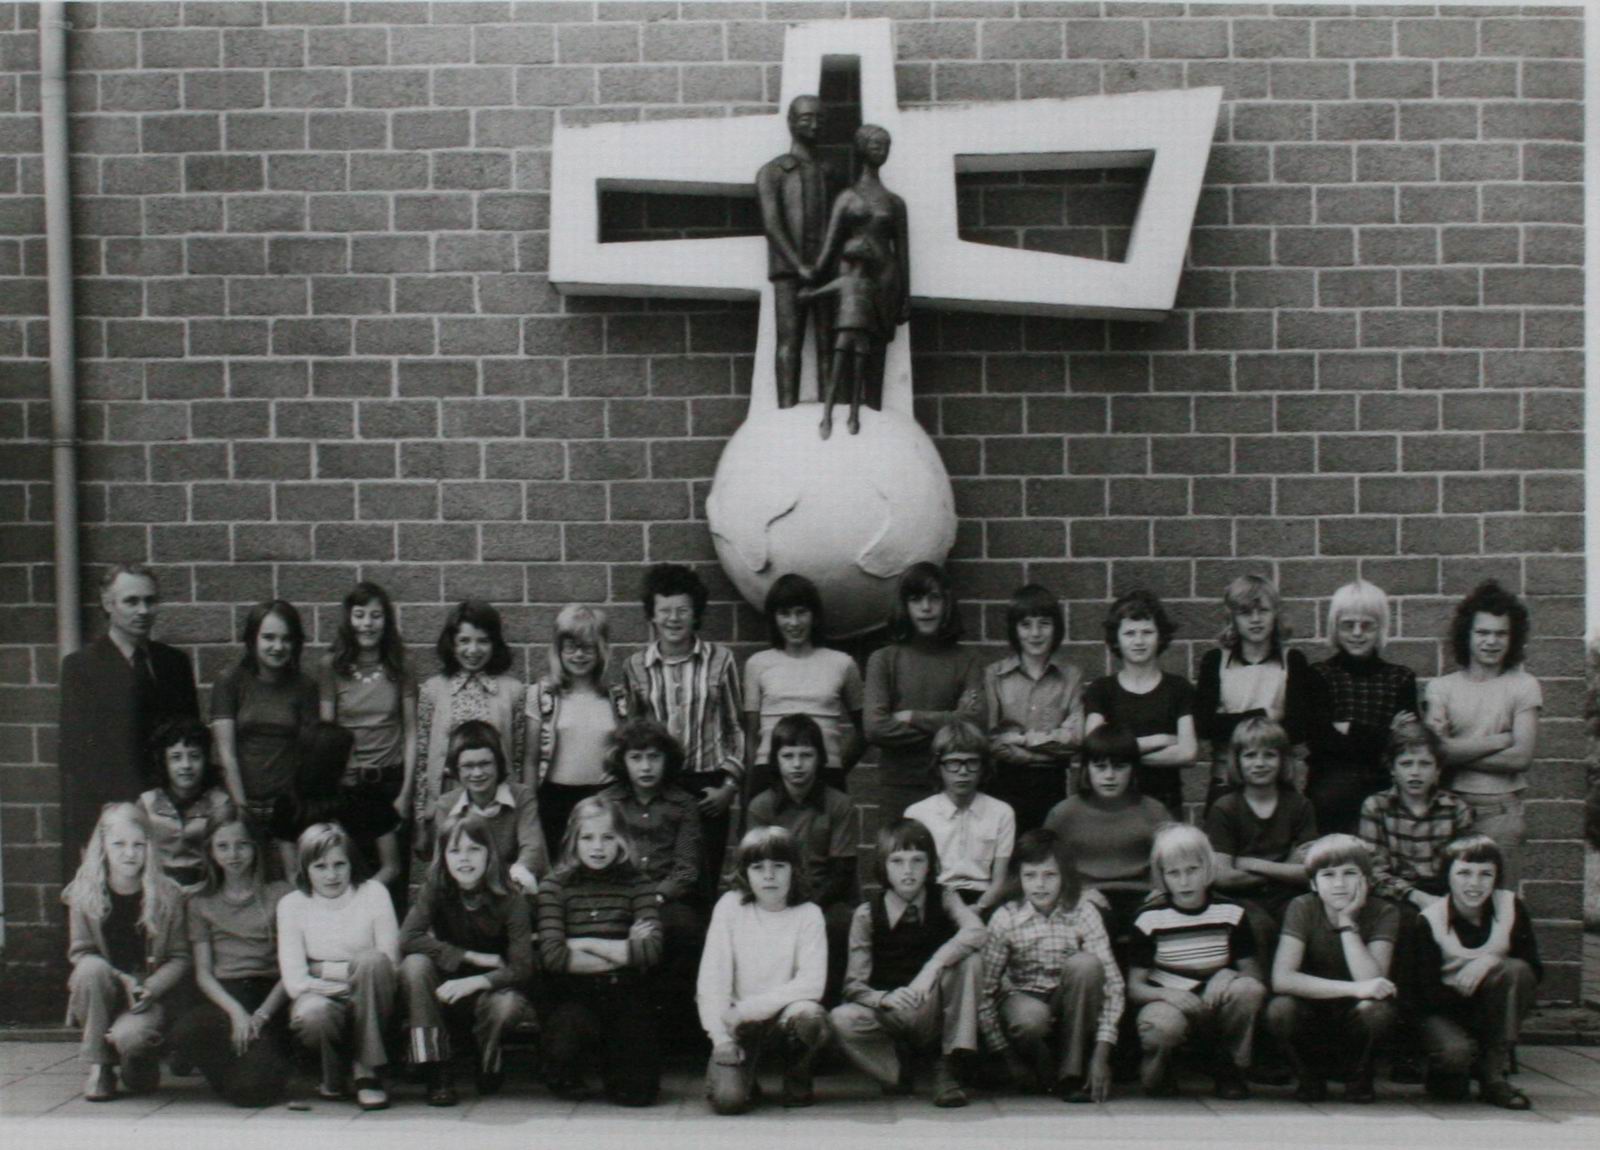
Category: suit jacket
[803,193]
[106,719]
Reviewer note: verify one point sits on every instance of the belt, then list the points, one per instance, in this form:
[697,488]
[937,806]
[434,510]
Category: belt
[1491,804]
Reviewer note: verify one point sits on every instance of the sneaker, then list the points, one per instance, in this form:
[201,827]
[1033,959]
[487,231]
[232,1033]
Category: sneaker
[947,1091]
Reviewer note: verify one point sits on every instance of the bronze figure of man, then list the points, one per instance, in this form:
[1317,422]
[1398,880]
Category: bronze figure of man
[794,192]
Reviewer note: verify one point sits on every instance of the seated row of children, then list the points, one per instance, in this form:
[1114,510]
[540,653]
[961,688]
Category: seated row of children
[916,961]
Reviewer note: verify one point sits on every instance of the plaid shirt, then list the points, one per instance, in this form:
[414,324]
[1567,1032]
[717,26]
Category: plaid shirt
[1026,951]
[1367,694]
[706,718]
[1406,847]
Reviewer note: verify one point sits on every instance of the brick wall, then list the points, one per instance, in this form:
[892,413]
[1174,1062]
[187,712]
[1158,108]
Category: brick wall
[316,339]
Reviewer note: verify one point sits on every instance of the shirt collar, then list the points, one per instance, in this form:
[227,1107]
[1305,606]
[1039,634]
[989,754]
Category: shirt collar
[1029,911]
[1452,918]
[944,806]
[654,657]
[503,798]
[486,683]
[1013,663]
[894,907]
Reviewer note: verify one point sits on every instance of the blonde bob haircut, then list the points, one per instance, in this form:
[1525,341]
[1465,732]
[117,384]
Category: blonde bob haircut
[1359,598]
[585,625]
[1337,850]
[593,807]
[1179,843]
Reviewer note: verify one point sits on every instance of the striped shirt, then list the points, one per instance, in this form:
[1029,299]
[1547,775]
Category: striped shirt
[1407,848]
[1181,948]
[1026,952]
[698,699]
[576,902]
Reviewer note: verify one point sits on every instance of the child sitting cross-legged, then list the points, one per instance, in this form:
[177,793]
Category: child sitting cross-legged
[911,986]
[1192,967]
[1478,964]
[1048,967]
[762,975]
[1333,1000]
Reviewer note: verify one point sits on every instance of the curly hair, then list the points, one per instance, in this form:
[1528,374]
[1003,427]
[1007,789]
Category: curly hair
[1139,605]
[1489,598]
[665,580]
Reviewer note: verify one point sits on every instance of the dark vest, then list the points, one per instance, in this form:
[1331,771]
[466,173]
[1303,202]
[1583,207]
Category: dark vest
[900,952]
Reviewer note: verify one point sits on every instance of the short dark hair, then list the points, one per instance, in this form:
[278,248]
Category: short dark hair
[667,579]
[788,592]
[253,622]
[1489,598]
[475,735]
[1110,741]
[1473,848]
[765,843]
[643,735]
[1113,742]
[113,572]
[923,579]
[170,733]
[1139,604]
[1034,601]
[1044,845]
[797,731]
[905,835]
[475,613]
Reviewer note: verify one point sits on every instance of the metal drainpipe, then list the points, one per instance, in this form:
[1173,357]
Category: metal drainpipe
[63,362]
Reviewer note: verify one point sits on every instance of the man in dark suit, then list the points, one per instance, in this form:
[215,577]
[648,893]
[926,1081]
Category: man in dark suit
[115,692]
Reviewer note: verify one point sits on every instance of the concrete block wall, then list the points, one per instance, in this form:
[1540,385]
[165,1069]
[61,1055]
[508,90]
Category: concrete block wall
[317,341]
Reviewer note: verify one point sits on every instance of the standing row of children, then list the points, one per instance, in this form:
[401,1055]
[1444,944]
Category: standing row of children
[1140,717]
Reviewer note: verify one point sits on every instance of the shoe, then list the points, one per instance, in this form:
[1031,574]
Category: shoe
[441,1090]
[635,1098]
[141,1075]
[489,1082]
[570,1089]
[102,1084]
[947,1091]
[1447,1087]
[1359,1089]
[798,1091]
[1405,1071]
[1230,1084]
[1504,1095]
[370,1094]
[1311,1090]
[1263,1075]
[1023,1079]
[1073,1090]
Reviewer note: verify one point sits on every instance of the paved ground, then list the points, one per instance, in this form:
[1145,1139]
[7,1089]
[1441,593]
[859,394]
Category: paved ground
[41,1106]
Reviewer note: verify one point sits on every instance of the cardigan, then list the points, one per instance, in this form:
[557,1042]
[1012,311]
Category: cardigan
[167,957]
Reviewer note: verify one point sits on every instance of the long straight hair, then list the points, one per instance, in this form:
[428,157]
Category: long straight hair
[89,890]
[471,827]
[219,820]
[391,648]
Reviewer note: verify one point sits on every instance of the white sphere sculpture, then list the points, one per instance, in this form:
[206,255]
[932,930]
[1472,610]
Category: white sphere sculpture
[850,513]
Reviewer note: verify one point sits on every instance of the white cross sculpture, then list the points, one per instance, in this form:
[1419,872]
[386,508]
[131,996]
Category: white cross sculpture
[854,511]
